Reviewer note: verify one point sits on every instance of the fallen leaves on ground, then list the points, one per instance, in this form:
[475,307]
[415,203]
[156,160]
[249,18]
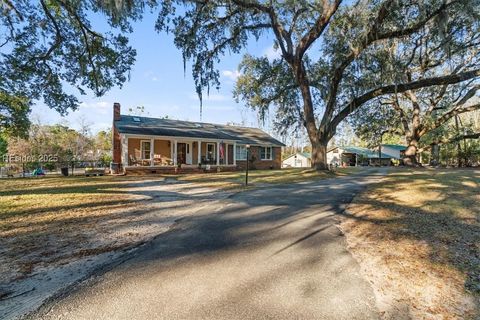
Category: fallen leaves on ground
[416,236]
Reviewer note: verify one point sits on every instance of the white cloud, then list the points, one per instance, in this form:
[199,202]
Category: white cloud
[271,53]
[231,74]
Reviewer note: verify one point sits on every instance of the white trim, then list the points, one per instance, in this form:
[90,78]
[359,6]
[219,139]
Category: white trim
[271,154]
[152,151]
[182,139]
[175,152]
[199,152]
[179,139]
[241,159]
[124,150]
[235,153]
[218,153]
[225,152]
[189,153]
[142,151]
[206,149]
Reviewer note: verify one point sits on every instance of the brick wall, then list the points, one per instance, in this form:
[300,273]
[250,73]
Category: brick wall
[275,163]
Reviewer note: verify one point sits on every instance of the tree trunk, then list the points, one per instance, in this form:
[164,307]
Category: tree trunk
[459,149]
[319,155]
[411,153]
[316,135]
[414,136]
[435,154]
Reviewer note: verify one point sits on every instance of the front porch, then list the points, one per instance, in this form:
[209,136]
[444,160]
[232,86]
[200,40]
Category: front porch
[151,154]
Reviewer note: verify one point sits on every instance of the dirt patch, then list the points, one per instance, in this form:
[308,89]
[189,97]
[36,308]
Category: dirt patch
[416,236]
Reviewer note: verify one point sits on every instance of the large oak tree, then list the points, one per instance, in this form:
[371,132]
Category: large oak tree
[317,82]
[50,51]
[417,114]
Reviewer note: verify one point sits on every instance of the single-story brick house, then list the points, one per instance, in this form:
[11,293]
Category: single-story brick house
[145,145]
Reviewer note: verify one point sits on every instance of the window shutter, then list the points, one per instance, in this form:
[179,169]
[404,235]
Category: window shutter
[273,153]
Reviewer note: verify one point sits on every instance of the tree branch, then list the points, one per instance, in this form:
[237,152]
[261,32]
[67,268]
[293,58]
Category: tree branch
[399,88]
[10,6]
[453,112]
[318,28]
[402,114]
[58,35]
[452,140]
[372,37]
[470,93]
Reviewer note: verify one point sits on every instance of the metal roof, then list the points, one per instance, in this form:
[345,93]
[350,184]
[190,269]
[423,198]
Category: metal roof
[357,150]
[395,146]
[307,155]
[188,129]
[368,153]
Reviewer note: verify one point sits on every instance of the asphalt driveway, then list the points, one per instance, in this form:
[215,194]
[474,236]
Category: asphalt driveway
[268,253]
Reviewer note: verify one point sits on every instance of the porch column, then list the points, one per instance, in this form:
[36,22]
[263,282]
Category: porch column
[199,152]
[234,153]
[152,151]
[218,153]
[124,142]
[225,151]
[174,152]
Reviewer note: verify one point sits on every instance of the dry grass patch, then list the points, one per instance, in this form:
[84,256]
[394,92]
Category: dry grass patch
[233,180]
[46,221]
[417,238]
[50,221]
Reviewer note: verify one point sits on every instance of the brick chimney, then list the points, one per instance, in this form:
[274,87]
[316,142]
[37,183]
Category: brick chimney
[116,143]
[116,111]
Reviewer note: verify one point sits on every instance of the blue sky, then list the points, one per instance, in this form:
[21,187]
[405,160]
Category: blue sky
[158,82]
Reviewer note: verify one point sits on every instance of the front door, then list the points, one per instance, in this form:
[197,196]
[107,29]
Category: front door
[189,153]
[181,153]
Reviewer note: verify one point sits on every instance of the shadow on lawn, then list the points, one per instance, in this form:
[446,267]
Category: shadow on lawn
[292,220]
[449,222]
[266,215]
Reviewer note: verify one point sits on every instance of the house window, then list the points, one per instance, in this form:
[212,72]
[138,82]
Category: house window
[145,150]
[210,151]
[241,153]
[266,153]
